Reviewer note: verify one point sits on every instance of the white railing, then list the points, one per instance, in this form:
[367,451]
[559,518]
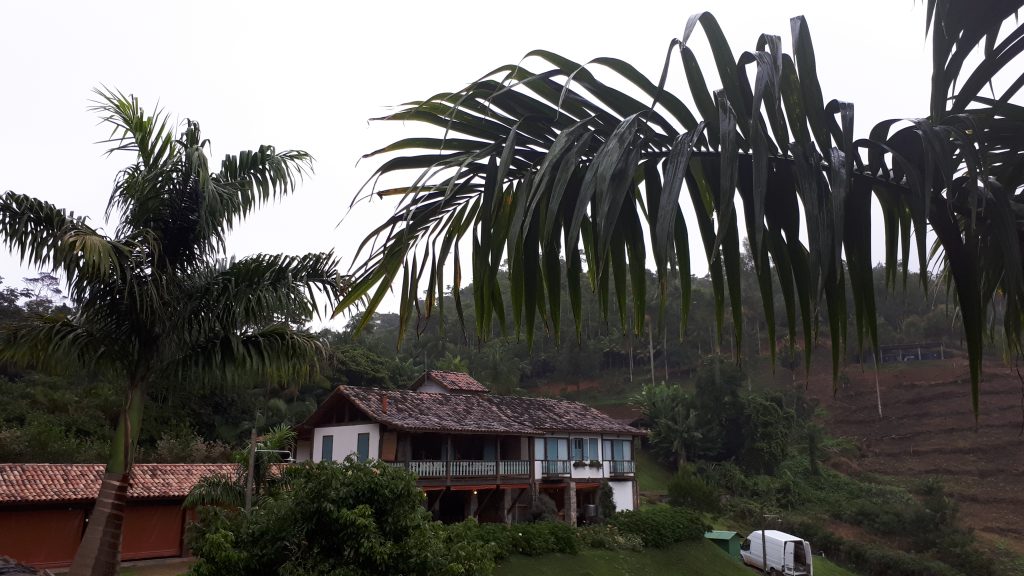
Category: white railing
[514,467]
[464,468]
[621,467]
[555,467]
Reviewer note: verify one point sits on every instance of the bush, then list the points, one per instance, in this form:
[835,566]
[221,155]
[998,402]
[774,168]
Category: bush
[866,559]
[352,519]
[608,537]
[605,501]
[660,526]
[687,490]
[527,539]
[543,508]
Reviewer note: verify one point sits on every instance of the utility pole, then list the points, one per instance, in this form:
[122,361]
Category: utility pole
[252,470]
[650,346]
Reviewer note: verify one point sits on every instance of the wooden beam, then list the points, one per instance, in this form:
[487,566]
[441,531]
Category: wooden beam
[516,501]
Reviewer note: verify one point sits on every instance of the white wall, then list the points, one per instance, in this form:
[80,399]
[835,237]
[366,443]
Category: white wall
[622,492]
[345,438]
[431,386]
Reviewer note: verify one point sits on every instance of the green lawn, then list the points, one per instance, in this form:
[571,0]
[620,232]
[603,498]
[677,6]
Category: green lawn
[692,558]
[823,567]
[650,475]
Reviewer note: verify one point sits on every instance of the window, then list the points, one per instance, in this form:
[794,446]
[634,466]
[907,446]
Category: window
[363,446]
[746,545]
[584,449]
[618,450]
[327,448]
[552,449]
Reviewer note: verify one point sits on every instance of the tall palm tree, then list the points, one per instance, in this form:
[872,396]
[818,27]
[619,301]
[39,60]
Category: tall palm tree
[158,300]
[534,166]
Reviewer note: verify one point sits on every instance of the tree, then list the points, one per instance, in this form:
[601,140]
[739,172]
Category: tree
[534,166]
[229,491]
[348,518]
[158,301]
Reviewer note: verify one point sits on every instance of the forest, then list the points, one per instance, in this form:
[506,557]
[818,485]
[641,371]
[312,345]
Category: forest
[69,417]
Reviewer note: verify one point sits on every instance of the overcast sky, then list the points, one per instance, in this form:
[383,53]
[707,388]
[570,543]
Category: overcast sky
[309,75]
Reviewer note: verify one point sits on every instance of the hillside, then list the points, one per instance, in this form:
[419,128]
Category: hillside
[928,430]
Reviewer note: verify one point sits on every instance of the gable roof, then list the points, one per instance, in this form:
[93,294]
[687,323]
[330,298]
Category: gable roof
[21,483]
[468,413]
[452,381]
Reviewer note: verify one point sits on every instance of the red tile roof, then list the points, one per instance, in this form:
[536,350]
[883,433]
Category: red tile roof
[452,381]
[20,483]
[467,413]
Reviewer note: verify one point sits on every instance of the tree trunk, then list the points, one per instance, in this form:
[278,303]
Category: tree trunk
[99,553]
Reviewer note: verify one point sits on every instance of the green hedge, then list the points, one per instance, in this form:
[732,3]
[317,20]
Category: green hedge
[866,559]
[660,526]
[526,539]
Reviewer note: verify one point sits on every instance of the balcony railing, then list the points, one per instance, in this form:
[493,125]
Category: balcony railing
[555,467]
[622,467]
[465,468]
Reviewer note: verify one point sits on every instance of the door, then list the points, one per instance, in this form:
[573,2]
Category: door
[152,531]
[42,538]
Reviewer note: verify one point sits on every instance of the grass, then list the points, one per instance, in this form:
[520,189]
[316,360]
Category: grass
[698,558]
[823,567]
[650,475]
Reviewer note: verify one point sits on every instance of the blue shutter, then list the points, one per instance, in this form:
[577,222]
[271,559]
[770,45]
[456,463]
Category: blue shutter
[363,447]
[327,449]
[592,453]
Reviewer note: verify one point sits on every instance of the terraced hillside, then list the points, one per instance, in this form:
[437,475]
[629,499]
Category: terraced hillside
[928,429]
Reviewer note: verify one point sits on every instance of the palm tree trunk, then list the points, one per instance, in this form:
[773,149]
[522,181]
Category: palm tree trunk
[99,554]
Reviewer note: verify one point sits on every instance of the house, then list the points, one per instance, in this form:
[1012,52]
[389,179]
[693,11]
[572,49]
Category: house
[44,509]
[478,454]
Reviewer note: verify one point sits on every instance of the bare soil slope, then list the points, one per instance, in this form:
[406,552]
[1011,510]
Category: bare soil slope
[927,429]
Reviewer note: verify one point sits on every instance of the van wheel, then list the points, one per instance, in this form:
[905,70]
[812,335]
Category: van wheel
[773,572]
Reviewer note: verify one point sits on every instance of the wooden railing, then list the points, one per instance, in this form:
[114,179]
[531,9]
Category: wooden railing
[465,468]
[555,467]
[622,467]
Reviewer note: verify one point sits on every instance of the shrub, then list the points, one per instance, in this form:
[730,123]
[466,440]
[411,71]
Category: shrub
[605,501]
[660,526]
[608,537]
[687,490]
[352,519]
[543,509]
[532,539]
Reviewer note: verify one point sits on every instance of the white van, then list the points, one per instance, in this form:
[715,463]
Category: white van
[787,555]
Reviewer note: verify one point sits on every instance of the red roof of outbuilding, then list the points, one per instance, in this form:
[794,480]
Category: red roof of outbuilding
[452,381]
[23,483]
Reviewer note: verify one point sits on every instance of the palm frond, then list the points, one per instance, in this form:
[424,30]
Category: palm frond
[544,166]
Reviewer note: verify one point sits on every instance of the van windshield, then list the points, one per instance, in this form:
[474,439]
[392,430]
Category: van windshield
[746,545]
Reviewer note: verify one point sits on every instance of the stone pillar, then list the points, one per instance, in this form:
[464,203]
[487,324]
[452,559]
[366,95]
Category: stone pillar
[473,504]
[570,503]
[506,503]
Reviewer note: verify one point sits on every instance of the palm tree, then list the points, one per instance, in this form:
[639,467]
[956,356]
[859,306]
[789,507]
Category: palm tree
[229,491]
[533,166]
[158,300]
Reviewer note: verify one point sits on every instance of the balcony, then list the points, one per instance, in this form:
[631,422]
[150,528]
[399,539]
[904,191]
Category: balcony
[555,467]
[465,468]
[621,467]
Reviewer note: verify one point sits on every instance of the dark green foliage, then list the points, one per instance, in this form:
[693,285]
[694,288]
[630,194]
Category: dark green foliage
[543,508]
[688,490]
[866,559]
[607,537]
[767,426]
[660,526]
[605,501]
[350,518]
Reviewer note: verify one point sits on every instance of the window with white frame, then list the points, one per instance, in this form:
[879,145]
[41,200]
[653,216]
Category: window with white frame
[551,449]
[585,449]
[618,450]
